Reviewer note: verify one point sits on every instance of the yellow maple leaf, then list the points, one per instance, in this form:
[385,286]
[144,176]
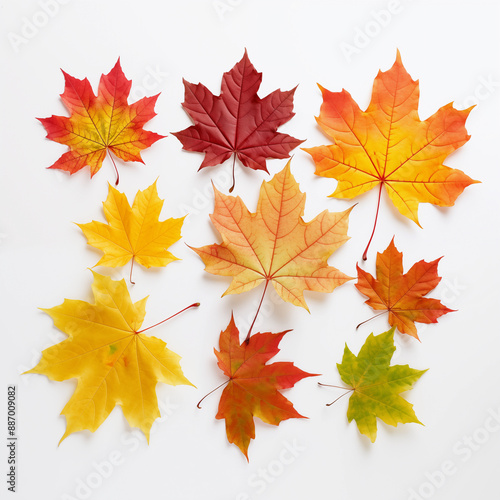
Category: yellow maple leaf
[133,232]
[275,245]
[112,360]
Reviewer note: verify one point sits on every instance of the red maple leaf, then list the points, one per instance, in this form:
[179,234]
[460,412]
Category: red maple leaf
[238,122]
[253,386]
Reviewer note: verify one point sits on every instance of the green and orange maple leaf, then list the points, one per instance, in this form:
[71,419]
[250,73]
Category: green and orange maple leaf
[253,388]
[101,124]
[402,294]
[111,358]
[376,386]
[389,146]
[274,244]
[133,232]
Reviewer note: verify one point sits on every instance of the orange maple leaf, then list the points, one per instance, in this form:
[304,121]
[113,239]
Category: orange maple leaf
[274,244]
[253,386]
[101,124]
[402,295]
[387,145]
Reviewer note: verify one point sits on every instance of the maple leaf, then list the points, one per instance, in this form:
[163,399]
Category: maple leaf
[112,360]
[274,244]
[253,386]
[376,386]
[387,145]
[133,232]
[101,124]
[402,295]
[238,122]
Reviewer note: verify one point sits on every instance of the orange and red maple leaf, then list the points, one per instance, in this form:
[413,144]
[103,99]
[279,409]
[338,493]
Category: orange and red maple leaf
[402,294]
[253,389]
[101,124]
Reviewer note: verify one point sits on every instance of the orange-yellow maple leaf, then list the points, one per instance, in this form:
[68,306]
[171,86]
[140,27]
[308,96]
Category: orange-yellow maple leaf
[111,358]
[402,295]
[388,145]
[101,124]
[254,386]
[274,244]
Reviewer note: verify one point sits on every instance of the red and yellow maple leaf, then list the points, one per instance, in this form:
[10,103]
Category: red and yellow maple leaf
[238,122]
[101,124]
[402,295]
[388,146]
[253,389]
[274,244]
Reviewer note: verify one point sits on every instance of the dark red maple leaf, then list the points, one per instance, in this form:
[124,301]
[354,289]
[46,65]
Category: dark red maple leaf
[237,122]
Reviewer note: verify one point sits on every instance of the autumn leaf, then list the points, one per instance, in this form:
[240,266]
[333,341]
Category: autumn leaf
[133,232]
[253,388]
[274,244]
[402,295]
[376,386]
[389,146]
[238,122]
[111,358]
[101,124]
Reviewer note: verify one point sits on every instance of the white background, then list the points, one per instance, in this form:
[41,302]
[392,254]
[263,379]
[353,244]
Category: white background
[453,49]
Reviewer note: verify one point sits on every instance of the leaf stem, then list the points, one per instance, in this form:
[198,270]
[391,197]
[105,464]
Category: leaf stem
[375,224]
[116,169]
[213,390]
[337,387]
[369,319]
[131,269]
[196,304]
[335,400]
[247,338]
[234,180]
[330,385]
